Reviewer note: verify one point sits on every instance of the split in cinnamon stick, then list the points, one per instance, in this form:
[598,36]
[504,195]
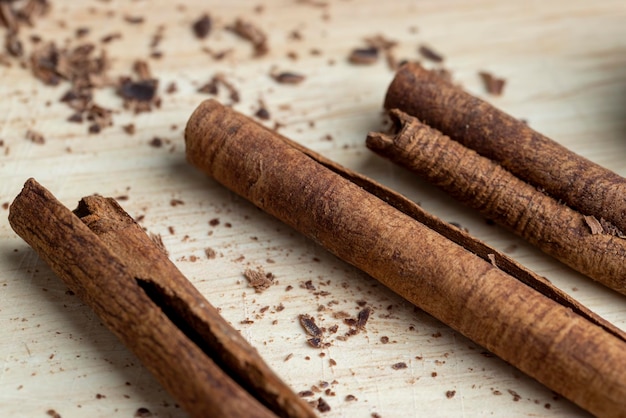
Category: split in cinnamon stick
[486,186]
[437,267]
[110,262]
[583,185]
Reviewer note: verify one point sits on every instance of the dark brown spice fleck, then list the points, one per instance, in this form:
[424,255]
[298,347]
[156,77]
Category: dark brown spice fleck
[202,26]
[253,34]
[134,20]
[322,405]
[493,85]
[156,142]
[399,366]
[450,394]
[288,78]
[35,137]
[430,54]
[364,56]
[143,413]
[308,323]
[258,279]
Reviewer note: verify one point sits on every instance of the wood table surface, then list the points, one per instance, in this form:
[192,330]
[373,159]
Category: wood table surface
[565,68]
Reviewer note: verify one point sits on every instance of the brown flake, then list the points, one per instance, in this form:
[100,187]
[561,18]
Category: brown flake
[288,77]
[202,27]
[430,54]
[129,128]
[399,366]
[142,413]
[322,405]
[53,413]
[253,34]
[212,87]
[364,56]
[35,137]
[362,318]
[258,279]
[308,323]
[13,45]
[134,20]
[493,85]
[594,224]
[210,253]
[262,112]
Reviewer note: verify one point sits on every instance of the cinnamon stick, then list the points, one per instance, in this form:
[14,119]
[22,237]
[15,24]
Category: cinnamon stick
[435,269]
[110,262]
[583,185]
[486,186]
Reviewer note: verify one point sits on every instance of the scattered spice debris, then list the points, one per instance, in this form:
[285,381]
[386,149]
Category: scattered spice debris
[262,112]
[322,405]
[53,413]
[288,77]
[35,137]
[362,318]
[399,366]
[139,95]
[210,253]
[450,394]
[143,413]
[202,27]
[253,34]
[428,53]
[515,395]
[364,56]
[493,85]
[258,279]
[212,87]
[308,323]
[594,225]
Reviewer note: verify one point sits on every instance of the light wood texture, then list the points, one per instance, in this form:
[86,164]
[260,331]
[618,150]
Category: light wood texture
[564,64]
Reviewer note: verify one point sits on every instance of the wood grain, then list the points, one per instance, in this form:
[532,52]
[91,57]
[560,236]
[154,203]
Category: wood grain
[563,62]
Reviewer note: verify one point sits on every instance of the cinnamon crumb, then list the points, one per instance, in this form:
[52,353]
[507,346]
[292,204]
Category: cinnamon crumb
[258,279]
[202,27]
[430,54]
[253,34]
[493,85]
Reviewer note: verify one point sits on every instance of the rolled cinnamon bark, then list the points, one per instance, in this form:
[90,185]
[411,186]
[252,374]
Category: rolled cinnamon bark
[585,186]
[113,266]
[567,352]
[486,186]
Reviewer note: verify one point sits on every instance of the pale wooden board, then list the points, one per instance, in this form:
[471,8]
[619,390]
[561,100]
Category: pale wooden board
[564,62]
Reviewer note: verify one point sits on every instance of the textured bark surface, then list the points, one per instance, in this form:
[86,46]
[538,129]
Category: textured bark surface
[483,184]
[111,276]
[541,337]
[534,158]
[123,236]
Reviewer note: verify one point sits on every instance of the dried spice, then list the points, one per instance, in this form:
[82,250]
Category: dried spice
[258,279]
[139,95]
[365,56]
[202,27]
[287,77]
[115,267]
[493,84]
[517,163]
[577,240]
[445,272]
[430,54]
[253,34]
[212,87]
[531,156]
